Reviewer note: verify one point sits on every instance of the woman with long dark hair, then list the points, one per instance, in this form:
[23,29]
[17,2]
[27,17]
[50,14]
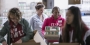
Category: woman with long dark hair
[75,30]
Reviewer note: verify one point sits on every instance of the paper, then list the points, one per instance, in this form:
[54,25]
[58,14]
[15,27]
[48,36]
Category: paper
[38,38]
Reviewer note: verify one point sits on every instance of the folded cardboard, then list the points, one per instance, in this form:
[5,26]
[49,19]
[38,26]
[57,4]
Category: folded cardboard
[38,38]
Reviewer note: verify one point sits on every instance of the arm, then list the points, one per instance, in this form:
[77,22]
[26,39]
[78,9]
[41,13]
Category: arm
[3,32]
[43,26]
[32,23]
[28,31]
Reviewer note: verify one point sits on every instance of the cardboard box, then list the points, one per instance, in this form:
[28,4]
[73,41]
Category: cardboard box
[52,32]
[66,44]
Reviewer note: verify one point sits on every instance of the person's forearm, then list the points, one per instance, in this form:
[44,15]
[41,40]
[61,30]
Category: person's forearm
[2,39]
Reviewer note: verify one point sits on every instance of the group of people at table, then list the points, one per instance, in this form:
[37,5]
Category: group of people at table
[19,30]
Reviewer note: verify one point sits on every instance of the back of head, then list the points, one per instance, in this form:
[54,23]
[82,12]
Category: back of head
[37,7]
[39,3]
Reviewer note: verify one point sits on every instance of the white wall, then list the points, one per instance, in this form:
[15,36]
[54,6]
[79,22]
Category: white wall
[62,4]
[29,1]
[0,7]
[8,4]
[50,4]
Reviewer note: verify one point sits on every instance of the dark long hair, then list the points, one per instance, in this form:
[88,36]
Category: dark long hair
[78,26]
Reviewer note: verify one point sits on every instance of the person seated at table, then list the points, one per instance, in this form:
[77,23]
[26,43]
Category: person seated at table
[75,30]
[54,20]
[16,28]
[36,20]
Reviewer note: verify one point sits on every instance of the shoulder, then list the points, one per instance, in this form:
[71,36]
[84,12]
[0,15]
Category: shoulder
[24,21]
[46,16]
[61,18]
[33,17]
[85,28]
[6,23]
[48,19]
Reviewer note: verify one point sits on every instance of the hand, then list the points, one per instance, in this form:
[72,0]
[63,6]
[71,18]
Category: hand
[4,43]
[19,41]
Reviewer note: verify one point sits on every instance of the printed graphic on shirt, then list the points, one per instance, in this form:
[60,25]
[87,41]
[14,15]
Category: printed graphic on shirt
[16,33]
[59,23]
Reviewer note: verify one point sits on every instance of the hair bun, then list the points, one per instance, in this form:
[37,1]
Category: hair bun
[39,3]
